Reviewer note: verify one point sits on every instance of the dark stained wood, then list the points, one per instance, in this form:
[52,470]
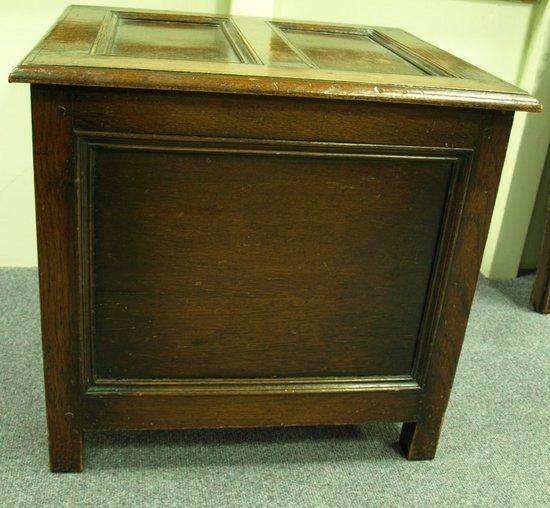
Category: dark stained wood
[213,115]
[249,265]
[419,439]
[110,410]
[265,256]
[343,50]
[540,298]
[203,39]
[56,222]
[98,46]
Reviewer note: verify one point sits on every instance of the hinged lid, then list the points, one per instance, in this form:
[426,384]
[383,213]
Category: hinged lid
[99,46]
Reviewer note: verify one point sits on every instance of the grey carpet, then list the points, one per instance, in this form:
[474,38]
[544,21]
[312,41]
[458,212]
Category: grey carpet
[494,449]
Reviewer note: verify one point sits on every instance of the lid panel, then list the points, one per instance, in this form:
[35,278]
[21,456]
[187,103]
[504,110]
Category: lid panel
[167,39]
[108,47]
[344,50]
[170,37]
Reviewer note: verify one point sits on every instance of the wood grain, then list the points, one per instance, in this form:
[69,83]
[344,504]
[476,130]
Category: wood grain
[56,221]
[277,118]
[168,411]
[98,46]
[241,257]
[419,439]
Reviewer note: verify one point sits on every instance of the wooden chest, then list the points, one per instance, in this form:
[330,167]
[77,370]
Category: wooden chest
[247,222]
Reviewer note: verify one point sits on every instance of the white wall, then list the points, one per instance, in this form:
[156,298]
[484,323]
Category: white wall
[524,161]
[492,34]
[22,24]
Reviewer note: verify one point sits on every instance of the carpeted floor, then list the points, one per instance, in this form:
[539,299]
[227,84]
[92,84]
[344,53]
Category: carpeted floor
[494,450]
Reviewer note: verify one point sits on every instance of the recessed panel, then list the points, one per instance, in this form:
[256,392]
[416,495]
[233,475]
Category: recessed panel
[173,37]
[356,51]
[173,40]
[217,265]
[98,46]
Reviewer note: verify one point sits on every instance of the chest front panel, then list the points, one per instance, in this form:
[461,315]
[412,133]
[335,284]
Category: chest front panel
[259,265]
[227,256]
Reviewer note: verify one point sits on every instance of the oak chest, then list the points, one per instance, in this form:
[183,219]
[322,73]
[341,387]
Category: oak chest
[247,222]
